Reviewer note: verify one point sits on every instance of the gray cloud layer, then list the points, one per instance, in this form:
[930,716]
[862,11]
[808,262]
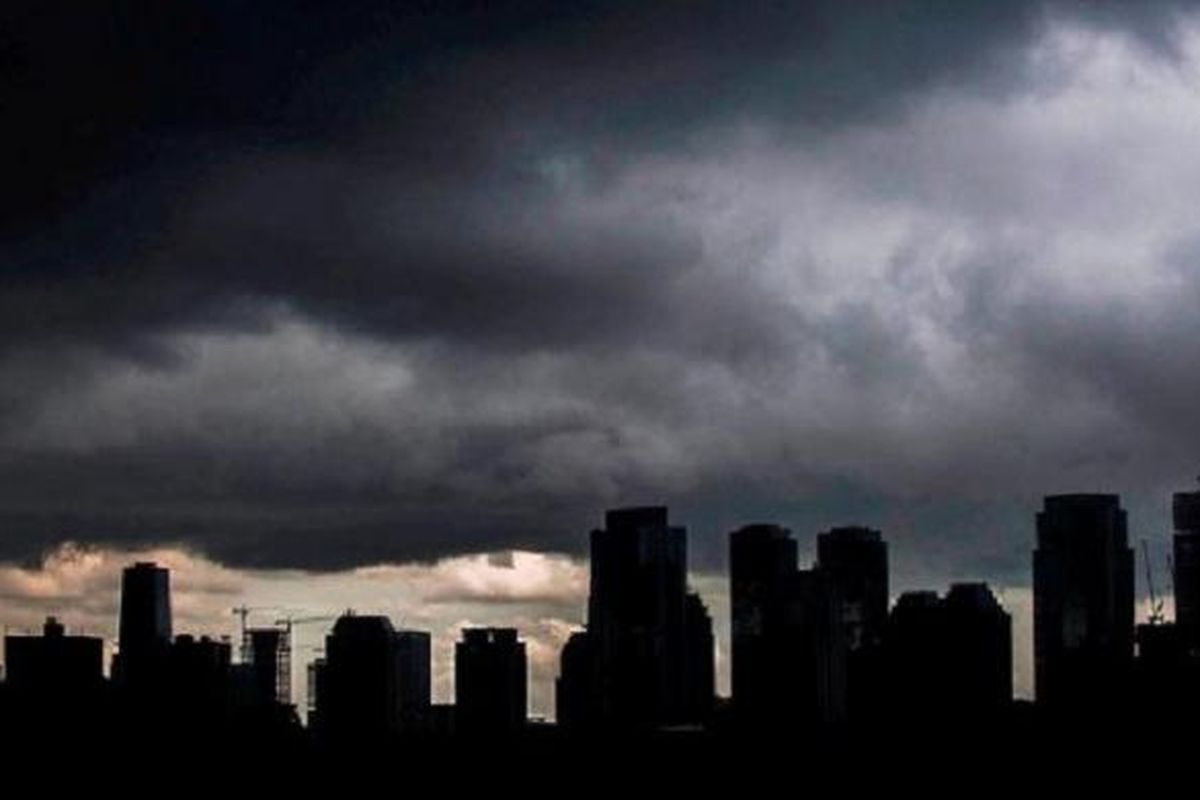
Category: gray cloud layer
[316,289]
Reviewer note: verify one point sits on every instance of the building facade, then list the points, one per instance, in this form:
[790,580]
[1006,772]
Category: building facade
[490,681]
[1083,598]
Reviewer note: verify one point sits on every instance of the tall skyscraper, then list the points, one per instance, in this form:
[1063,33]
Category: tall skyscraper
[856,560]
[414,660]
[145,624]
[636,613]
[762,566]
[814,624]
[788,644]
[1083,601]
[372,683]
[490,681]
[634,657]
[1185,510]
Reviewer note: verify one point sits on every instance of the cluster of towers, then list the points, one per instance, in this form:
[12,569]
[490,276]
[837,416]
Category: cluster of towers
[813,650]
[825,648]
[372,683]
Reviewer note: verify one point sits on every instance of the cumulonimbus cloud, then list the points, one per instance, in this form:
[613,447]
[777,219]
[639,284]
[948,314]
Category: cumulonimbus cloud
[312,296]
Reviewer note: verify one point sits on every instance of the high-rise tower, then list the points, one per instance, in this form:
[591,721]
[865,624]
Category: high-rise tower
[1083,600]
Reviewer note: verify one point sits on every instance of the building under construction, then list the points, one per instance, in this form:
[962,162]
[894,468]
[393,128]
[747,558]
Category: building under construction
[268,652]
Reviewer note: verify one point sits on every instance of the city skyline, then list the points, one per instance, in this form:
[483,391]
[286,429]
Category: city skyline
[378,305]
[220,621]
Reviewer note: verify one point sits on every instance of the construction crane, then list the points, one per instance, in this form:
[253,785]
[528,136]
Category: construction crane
[284,654]
[1156,604]
[1171,571]
[242,612]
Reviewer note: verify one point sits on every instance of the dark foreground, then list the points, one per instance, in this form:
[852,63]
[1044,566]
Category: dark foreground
[1025,752]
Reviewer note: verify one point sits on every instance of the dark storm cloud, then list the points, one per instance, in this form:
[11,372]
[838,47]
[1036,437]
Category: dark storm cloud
[462,185]
[120,115]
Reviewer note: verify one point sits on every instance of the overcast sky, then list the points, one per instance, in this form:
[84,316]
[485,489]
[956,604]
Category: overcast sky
[333,286]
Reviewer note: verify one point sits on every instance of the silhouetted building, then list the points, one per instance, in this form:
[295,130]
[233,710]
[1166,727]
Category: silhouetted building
[200,674]
[1083,602]
[315,686]
[368,682]
[636,614]
[414,657]
[631,667]
[949,659]
[916,664]
[54,665]
[1185,511]
[856,560]
[978,646]
[145,625]
[575,701]
[789,649]
[490,681]
[813,622]
[1166,677]
[1158,643]
[360,692]
[269,657]
[699,678]
[762,563]
[54,690]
